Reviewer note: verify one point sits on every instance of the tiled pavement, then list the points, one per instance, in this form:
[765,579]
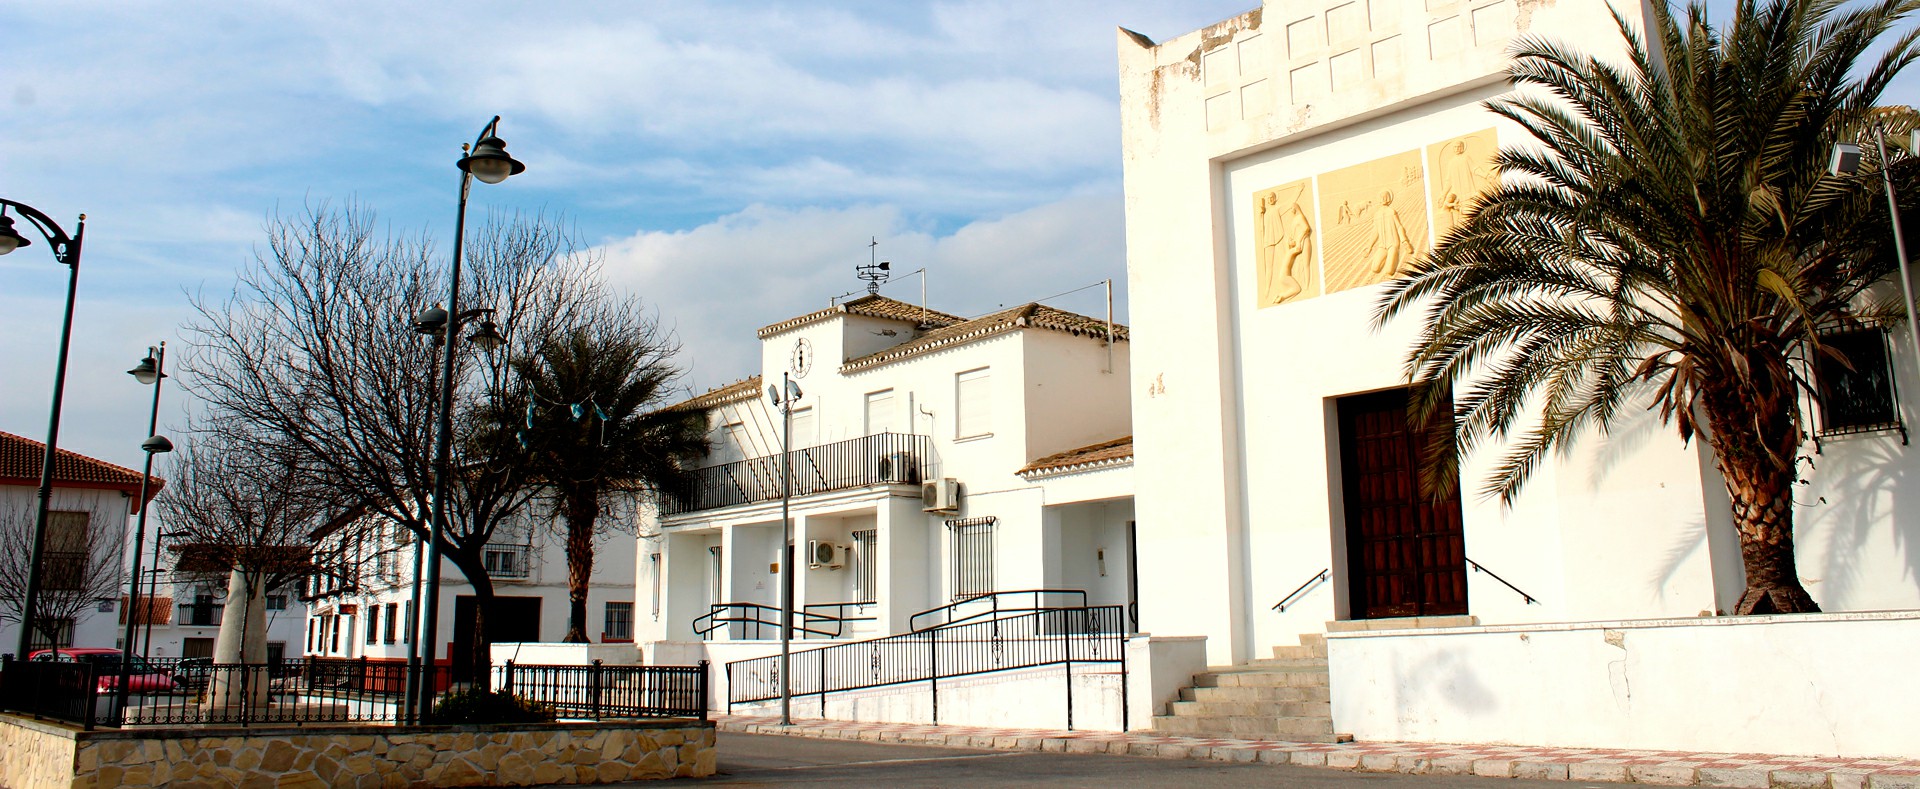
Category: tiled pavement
[1669,768]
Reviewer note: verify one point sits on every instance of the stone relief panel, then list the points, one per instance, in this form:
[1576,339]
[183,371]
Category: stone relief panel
[1373,217]
[1283,244]
[1462,168]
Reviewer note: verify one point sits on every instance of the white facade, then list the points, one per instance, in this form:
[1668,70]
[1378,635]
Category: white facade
[1245,383]
[892,398]
[97,625]
[365,607]
[190,607]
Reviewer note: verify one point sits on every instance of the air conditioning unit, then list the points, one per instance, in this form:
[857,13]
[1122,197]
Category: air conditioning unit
[899,468]
[940,495]
[821,553]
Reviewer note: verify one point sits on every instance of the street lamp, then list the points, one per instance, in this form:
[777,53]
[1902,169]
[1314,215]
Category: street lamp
[1846,161]
[785,403]
[488,161]
[66,250]
[151,370]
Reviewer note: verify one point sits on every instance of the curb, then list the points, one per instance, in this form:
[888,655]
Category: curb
[1664,768]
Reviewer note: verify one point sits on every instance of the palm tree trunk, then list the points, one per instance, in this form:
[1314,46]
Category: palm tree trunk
[583,509]
[1757,442]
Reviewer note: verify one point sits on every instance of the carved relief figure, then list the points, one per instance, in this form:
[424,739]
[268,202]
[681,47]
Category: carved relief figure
[1283,244]
[1463,169]
[1373,220]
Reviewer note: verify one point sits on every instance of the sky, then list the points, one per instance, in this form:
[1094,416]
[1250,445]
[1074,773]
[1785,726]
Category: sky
[730,161]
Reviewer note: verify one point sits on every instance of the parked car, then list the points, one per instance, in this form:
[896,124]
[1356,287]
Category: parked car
[144,677]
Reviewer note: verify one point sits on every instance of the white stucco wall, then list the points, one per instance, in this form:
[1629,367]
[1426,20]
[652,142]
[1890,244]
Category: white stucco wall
[107,511]
[1821,684]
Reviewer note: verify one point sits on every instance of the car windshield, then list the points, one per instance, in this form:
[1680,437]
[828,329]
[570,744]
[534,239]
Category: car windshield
[111,660]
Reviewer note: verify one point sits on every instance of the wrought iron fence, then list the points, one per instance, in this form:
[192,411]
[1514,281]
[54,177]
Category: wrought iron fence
[878,459]
[601,691]
[757,620]
[1036,638]
[195,691]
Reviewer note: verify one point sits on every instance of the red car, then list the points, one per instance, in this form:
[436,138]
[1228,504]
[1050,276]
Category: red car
[106,666]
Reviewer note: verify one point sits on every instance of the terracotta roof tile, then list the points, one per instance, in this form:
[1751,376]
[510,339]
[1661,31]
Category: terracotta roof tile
[744,389]
[872,306]
[1105,453]
[20,464]
[1039,316]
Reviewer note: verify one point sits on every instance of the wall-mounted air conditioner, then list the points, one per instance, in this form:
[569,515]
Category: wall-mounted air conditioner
[898,468]
[940,495]
[830,555]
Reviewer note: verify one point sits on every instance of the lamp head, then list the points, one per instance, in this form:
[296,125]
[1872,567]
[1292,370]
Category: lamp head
[773,394]
[487,337]
[433,321]
[155,445]
[793,389]
[490,163]
[1846,159]
[10,239]
[147,371]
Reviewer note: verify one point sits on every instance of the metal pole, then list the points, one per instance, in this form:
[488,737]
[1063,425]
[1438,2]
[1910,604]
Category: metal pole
[140,530]
[29,609]
[1899,240]
[410,700]
[786,548]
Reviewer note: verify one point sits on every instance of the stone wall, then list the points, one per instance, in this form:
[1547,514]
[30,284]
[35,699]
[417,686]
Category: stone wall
[349,756]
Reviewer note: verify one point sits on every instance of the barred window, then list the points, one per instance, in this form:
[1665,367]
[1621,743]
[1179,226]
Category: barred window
[393,620]
[972,556]
[1854,380]
[619,622]
[866,565]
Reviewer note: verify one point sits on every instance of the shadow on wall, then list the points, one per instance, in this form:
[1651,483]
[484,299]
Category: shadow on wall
[1862,484]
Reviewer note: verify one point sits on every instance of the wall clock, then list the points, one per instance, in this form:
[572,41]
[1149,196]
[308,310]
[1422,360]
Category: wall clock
[802,357]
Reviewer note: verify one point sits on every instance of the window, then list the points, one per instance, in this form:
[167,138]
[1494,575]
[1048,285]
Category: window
[730,443]
[716,590]
[802,428]
[507,561]
[880,412]
[312,625]
[653,561]
[64,559]
[53,633]
[866,565]
[393,620]
[619,622]
[972,556]
[373,624]
[196,647]
[333,623]
[406,637]
[973,409]
[276,602]
[1855,395]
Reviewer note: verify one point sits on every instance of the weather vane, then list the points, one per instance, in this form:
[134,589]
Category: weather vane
[876,271]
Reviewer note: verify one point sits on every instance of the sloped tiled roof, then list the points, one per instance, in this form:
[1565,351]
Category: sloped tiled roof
[873,306]
[1119,451]
[744,389]
[20,465]
[1035,316]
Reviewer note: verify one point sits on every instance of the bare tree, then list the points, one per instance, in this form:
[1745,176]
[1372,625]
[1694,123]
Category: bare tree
[81,568]
[313,353]
[246,514]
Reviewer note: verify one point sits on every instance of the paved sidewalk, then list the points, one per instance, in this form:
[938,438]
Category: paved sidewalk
[1669,768]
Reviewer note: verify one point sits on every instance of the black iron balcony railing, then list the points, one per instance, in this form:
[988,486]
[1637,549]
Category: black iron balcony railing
[878,459]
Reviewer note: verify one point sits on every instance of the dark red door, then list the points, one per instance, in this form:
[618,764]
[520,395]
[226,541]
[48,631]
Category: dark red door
[1406,552]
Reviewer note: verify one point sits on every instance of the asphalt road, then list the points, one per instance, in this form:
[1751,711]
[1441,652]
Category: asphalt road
[771,760]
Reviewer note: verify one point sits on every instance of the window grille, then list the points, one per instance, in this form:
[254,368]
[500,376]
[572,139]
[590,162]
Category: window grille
[508,561]
[61,634]
[406,637]
[63,561]
[653,561]
[393,620]
[972,556]
[973,408]
[619,622]
[1856,395]
[866,565]
[716,588]
[373,624]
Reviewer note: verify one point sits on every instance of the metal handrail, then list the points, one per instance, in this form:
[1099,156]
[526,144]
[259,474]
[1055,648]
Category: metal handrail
[1320,576]
[757,614]
[1503,582]
[878,459]
[994,610]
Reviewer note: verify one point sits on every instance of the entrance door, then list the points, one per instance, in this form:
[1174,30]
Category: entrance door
[1406,552]
[512,619]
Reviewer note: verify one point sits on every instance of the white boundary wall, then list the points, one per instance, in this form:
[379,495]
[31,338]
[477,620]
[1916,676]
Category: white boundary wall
[1819,684]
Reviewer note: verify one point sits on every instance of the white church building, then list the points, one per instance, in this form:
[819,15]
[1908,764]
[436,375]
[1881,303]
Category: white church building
[1281,164]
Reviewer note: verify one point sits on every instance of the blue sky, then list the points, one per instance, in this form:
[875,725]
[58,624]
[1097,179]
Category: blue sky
[730,160]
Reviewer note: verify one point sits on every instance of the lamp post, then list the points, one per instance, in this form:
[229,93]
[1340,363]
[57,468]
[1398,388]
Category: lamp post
[785,403]
[66,250]
[488,161]
[1846,161]
[153,585]
[151,370]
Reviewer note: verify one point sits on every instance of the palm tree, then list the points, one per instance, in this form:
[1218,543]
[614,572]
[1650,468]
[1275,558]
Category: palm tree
[594,426]
[1670,238]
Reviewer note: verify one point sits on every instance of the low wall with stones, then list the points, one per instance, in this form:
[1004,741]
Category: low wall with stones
[38,754]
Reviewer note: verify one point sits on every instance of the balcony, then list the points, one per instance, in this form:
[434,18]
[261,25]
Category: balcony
[879,459]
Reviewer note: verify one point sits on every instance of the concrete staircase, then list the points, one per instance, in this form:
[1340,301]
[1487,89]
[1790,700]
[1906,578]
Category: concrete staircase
[1281,698]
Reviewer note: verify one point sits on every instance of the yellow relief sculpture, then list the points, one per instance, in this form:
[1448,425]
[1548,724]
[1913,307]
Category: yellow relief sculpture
[1374,217]
[1283,244]
[1463,169]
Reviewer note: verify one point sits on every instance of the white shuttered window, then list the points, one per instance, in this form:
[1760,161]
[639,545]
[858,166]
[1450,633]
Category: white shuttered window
[973,405]
[880,412]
